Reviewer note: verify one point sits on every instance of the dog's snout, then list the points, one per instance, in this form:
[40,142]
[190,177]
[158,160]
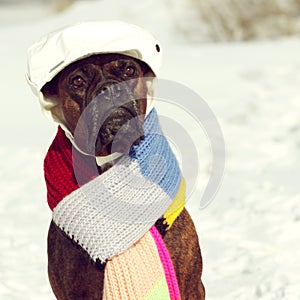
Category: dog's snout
[110,90]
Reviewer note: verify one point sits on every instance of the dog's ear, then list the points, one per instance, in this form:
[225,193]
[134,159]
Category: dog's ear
[146,70]
[50,89]
[51,97]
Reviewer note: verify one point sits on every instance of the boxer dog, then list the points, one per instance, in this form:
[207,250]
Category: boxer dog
[72,273]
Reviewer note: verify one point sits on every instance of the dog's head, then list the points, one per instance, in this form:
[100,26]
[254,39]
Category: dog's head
[103,101]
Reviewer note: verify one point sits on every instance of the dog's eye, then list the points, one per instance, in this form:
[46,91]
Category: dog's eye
[77,81]
[129,71]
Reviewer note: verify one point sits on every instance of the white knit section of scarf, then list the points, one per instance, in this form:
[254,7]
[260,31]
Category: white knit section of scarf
[109,214]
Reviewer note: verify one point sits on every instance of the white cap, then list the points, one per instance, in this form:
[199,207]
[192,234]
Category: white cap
[57,50]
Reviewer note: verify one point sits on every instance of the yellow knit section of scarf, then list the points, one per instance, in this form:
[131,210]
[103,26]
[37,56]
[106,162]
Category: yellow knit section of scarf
[176,206]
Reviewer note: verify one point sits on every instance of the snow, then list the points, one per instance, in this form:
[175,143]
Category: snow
[249,234]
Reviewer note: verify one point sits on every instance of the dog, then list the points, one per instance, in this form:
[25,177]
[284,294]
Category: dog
[72,273]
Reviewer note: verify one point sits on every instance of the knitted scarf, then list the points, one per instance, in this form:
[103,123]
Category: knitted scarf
[120,216]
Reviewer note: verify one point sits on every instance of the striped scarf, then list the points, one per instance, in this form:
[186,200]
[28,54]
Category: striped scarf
[119,217]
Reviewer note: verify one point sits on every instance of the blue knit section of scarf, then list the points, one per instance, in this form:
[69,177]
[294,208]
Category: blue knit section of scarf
[155,157]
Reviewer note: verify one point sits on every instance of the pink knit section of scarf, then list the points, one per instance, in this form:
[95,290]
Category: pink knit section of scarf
[167,264]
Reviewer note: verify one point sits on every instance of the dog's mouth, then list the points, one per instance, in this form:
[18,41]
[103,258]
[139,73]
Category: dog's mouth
[119,132]
[115,130]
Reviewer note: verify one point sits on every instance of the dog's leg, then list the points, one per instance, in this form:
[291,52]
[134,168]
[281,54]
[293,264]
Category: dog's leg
[183,245]
[71,273]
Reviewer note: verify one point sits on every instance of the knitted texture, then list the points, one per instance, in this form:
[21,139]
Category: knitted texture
[59,169]
[144,271]
[110,215]
[136,274]
[167,264]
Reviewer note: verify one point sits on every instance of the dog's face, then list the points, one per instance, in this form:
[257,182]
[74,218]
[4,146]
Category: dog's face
[103,101]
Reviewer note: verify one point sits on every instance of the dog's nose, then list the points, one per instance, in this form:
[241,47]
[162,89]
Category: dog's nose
[110,90]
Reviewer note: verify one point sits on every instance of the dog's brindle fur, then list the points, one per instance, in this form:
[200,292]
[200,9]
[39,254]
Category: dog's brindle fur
[72,273]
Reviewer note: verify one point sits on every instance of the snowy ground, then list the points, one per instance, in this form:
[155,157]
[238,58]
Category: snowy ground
[249,234]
